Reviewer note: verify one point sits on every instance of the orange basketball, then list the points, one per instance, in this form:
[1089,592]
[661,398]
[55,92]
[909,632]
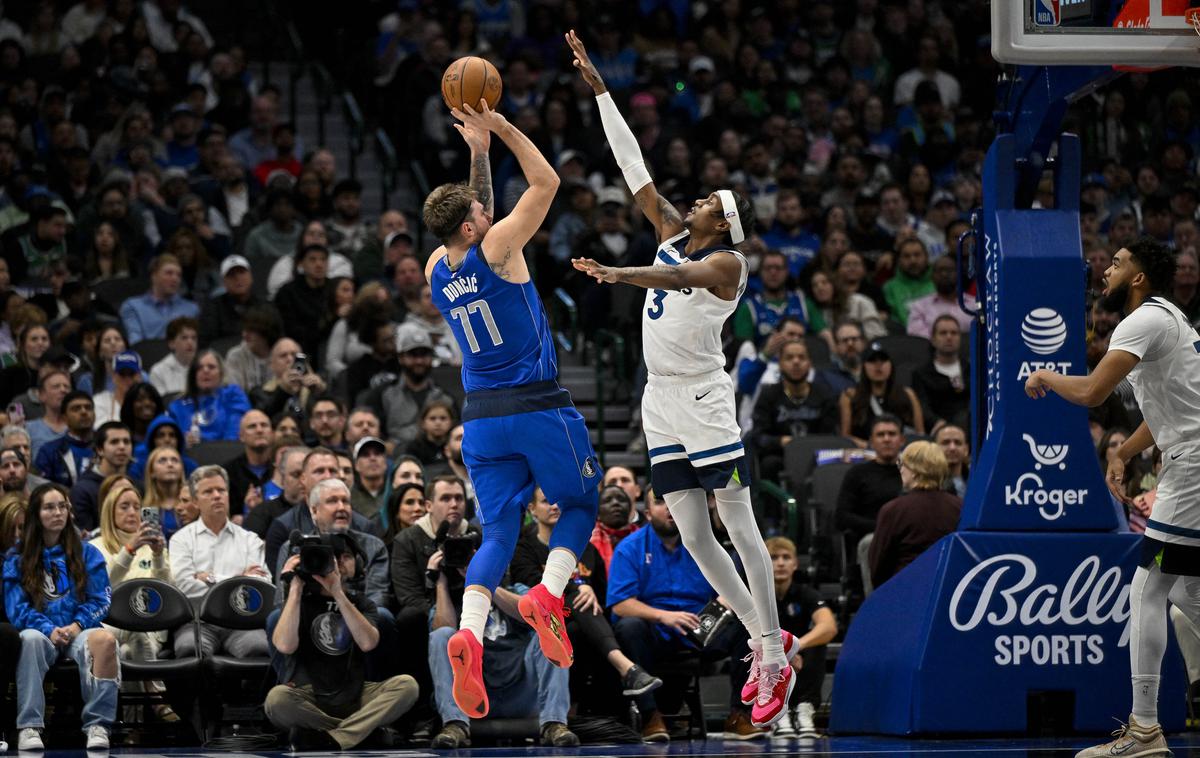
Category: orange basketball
[467,80]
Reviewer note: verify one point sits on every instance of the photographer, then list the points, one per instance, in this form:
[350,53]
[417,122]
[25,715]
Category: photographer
[327,702]
[292,385]
[419,554]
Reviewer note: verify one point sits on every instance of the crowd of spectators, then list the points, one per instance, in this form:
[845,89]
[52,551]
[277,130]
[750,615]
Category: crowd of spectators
[179,270]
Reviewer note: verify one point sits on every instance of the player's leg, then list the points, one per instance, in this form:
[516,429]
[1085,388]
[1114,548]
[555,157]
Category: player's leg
[502,487]
[557,447]
[1148,594]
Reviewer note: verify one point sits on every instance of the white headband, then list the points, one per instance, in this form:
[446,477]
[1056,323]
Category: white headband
[731,214]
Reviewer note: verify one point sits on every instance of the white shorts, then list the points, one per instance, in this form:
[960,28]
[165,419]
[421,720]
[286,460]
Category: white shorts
[691,418]
[1176,514]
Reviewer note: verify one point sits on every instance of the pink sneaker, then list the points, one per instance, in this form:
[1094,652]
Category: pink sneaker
[774,690]
[750,688]
[544,612]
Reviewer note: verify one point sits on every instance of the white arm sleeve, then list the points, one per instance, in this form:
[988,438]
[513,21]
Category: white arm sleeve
[624,145]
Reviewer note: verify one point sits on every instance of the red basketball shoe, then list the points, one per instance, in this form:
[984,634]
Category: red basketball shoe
[544,612]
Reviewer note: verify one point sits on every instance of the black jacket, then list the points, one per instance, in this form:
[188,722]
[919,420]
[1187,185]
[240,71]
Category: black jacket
[939,398]
[222,317]
[777,415]
[410,555]
[241,479]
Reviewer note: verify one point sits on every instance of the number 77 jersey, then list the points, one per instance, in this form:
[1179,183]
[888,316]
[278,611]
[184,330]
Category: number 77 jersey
[500,326]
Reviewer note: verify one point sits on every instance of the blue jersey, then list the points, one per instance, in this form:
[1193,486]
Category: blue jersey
[501,327]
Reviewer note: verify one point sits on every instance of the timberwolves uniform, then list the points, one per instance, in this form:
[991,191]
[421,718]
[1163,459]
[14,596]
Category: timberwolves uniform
[1166,383]
[688,409]
[520,428]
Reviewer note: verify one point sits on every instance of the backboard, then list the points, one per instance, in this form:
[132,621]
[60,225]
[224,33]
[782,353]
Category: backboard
[1143,33]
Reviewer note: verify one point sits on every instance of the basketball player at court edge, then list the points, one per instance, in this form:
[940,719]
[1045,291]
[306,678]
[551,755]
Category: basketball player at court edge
[1158,350]
[518,423]
[688,411]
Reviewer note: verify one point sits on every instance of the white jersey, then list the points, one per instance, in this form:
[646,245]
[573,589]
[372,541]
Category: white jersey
[681,329]
[1166,381]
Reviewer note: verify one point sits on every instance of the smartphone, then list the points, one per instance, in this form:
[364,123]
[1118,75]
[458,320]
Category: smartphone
[151,515]
[300,363]
[16,414]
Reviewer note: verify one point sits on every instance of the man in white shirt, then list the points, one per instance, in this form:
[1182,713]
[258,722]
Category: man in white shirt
[207,551]
[928,52]
[1157,349]
[170,374]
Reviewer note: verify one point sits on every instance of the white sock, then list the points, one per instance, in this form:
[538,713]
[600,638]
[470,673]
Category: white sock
[559,567]
[1145,700]
[475,612]
[750,621]
[773,655]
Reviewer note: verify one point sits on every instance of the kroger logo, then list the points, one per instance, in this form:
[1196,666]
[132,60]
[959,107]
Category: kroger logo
[1030,489]
[1044,331]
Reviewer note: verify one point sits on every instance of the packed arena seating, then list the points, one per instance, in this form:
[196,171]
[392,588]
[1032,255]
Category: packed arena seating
[189,280]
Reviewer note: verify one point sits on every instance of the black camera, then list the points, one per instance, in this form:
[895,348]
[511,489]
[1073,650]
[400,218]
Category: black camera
[456,549]
[318,556]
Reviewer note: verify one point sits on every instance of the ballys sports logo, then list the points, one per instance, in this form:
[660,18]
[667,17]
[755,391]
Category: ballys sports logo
[1044,332]
[1001,591]
[1030,488]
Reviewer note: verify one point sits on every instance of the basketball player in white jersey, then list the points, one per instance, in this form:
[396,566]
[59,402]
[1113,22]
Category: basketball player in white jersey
[1159,351]
[688,408]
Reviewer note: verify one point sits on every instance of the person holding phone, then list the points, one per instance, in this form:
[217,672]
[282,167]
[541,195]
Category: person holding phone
[293,382]
[132,543]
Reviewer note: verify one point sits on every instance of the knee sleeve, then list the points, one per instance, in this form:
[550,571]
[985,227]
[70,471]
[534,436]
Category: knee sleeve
[576,522]
[1148,622]
[689,509]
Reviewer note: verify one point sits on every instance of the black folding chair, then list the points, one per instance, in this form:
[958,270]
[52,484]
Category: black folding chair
[238,603]
[152,605]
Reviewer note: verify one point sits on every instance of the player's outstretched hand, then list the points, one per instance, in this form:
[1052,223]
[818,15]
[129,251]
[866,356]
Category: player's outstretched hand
[584,63]
[478,139]
[1035,385]
[595,270]
[481,117]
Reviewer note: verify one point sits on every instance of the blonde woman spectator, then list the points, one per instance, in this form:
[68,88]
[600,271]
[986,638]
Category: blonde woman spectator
[134,549]
[910,524]
[12,519]
[165,487]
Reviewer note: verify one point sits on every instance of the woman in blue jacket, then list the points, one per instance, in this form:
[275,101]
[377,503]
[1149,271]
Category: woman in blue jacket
[56,592]
[163,432]
[209,406]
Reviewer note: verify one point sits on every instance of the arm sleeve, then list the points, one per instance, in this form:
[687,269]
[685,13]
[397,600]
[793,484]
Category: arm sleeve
[98,594]
[625,147]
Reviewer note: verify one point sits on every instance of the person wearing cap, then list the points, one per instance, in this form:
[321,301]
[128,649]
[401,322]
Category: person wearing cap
[223,314]
[305,301]
[127,371]
[370,468]
[424,316]
[381,251]
[15,475]
[145,317]
[402,401]
[182,150]
[943,301]
[169,375]
[877,393]
[696,100]
[349,231]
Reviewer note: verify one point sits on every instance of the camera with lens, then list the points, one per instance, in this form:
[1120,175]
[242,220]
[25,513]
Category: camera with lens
[456,549]
[318,553]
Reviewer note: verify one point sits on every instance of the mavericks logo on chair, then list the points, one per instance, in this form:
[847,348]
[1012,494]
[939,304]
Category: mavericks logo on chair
[146,602]
[245,600]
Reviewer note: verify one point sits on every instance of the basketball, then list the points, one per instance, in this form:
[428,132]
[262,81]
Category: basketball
[469,79]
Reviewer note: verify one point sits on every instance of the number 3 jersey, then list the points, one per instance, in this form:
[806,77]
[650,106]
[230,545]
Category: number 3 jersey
[681,329]
[500,326]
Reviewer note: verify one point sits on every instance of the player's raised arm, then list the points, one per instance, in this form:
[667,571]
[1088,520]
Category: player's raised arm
[662,214]
[721,270]
[502,247]
[480,141]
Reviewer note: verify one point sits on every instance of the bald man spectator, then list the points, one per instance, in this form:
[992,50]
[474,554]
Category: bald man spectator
[251,470]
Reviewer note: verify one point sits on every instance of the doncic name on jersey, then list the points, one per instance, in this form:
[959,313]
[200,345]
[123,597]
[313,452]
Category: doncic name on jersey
[458,287]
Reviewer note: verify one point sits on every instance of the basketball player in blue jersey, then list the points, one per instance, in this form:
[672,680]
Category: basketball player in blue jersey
[520,429]
[688,411]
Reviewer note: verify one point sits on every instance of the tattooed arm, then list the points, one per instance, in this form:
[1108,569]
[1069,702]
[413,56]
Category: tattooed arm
[481,180]
[659,210]
[503,244]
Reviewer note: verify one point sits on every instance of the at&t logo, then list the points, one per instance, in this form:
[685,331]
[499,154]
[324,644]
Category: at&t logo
[1044,332]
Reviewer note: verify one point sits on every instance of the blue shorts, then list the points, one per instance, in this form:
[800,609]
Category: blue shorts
[507,456]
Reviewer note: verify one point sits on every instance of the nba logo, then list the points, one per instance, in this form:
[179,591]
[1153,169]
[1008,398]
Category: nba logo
[1045,12]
